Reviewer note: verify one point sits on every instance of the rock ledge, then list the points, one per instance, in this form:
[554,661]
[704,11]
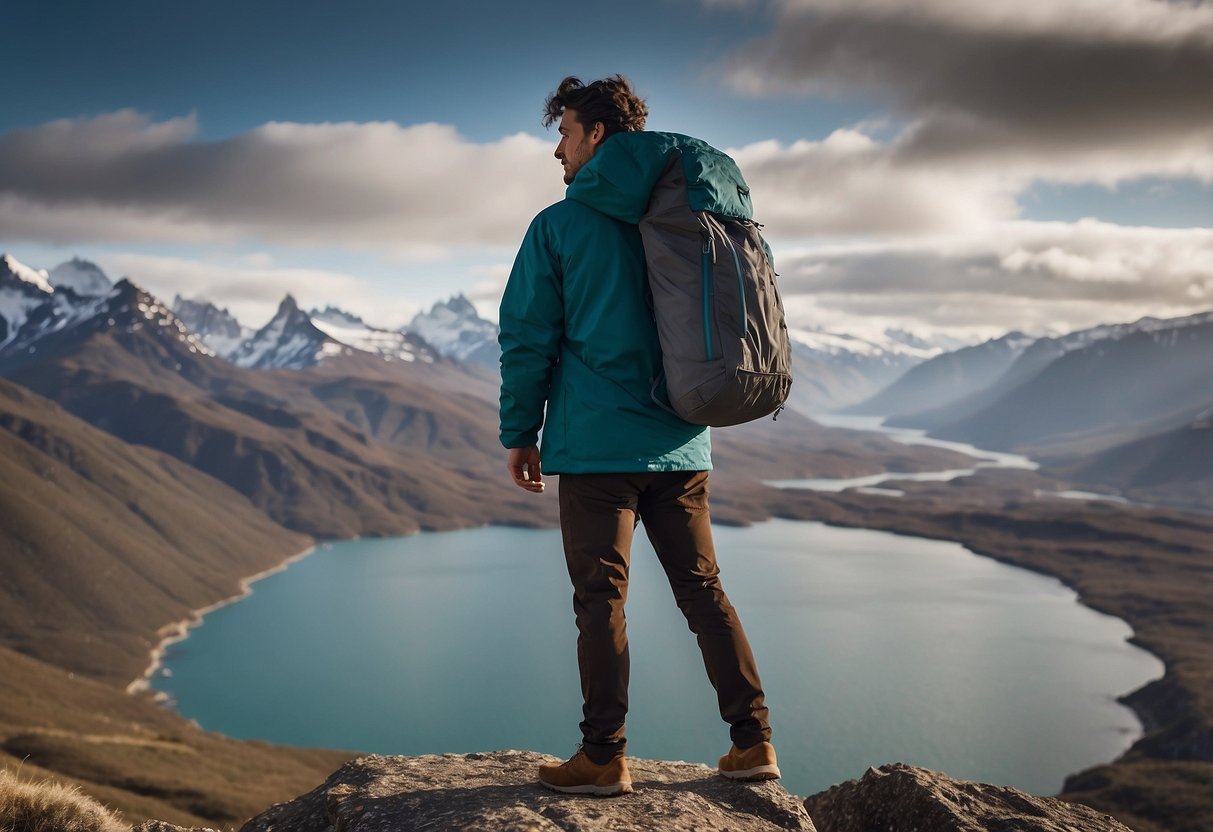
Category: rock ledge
[497,791]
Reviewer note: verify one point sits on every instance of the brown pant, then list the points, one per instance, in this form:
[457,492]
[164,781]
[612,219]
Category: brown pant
[598,514]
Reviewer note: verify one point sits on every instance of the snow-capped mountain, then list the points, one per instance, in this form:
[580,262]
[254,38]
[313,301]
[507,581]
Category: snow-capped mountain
[1136,380]
[833,371]
[22,290]
[455,329]
[217,327]
[64,320]
[946,378]
[82,277]
[289,341]
[891,347]
[1041,353]
[349,329]
[41,310]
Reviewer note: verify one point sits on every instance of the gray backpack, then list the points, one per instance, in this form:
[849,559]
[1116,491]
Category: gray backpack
[724,341]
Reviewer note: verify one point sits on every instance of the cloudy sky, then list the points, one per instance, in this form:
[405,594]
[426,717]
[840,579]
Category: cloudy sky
[945,166]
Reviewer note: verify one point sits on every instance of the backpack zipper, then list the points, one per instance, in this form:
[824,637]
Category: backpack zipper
[707,295]
[745,321]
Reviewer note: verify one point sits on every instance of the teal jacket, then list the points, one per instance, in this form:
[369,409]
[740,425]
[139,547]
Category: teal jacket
[578,337]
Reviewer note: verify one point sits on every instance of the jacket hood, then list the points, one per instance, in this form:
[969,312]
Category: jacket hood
[619,178]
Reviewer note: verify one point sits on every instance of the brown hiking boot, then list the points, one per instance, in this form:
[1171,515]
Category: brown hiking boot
[754,763]
[580,775]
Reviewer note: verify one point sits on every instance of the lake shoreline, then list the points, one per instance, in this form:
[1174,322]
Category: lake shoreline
[177,631]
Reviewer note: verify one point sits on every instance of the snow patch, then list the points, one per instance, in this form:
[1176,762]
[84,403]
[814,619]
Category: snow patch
[35,277]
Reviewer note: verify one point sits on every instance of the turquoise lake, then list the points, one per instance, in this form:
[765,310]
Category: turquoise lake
[873,648]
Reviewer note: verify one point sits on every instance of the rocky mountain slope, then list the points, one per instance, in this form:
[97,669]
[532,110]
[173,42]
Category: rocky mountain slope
[945,379]
[346,447]
[215,327]
[103,546]
[1134,381]
[1174,467]
[1035,357]
[90,520]
[22,290]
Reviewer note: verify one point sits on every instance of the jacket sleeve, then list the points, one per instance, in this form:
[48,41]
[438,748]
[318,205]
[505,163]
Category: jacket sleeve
[532,328]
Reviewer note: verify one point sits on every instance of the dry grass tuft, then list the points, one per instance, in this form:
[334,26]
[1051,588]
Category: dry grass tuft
[51,807]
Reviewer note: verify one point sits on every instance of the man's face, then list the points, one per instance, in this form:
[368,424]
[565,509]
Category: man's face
[577,144]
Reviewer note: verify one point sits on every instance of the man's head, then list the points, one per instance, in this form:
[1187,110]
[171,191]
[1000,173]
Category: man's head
[588,115]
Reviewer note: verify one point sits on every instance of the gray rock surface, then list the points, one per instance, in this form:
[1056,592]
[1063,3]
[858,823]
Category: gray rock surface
[498,792]
[161,826]
[900,798]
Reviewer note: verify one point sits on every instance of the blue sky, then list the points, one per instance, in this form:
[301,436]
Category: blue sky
[937,166]
[484,67]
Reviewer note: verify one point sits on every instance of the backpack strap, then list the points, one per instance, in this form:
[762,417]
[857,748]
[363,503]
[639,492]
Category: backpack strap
[659,387]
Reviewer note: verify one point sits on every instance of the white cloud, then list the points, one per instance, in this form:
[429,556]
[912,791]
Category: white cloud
[490,283]
[252,290]
[1127,20]
[412,191]
[1037,277]
[1076,91]
[852,185]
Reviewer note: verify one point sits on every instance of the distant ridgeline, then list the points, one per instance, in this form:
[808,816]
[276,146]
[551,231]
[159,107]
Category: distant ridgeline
[1124,407]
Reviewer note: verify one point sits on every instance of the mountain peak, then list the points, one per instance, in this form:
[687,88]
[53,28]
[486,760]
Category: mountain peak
[81,276]
[458,303]
[290,340]
[22,272]
[335,315]
[455,329]
[125,286]
[218,328]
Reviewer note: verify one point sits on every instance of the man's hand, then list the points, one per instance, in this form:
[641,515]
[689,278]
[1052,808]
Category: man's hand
[524,469]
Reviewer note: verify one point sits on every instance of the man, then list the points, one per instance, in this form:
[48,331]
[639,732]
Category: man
[579,353]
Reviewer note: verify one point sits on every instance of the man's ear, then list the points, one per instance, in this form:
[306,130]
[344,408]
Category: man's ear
[598,134]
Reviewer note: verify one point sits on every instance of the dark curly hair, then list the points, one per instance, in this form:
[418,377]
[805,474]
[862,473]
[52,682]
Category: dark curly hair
[610,100]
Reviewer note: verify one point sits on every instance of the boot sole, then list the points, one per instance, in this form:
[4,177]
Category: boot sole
[611,790]
[752,774]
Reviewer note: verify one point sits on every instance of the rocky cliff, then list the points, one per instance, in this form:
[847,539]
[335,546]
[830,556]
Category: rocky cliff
[899,797]
[498,792]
